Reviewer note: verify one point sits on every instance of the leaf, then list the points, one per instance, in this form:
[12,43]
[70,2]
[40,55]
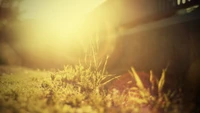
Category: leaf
[161,81]
[137,78]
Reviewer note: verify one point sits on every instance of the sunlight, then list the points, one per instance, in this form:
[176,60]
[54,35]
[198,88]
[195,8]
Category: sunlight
[53,28]
[62,16]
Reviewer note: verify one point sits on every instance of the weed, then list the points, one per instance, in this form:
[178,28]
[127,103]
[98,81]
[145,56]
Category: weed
[82,88]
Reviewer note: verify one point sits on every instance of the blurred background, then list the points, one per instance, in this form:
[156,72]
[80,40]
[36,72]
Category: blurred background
[51,33]
[45,33]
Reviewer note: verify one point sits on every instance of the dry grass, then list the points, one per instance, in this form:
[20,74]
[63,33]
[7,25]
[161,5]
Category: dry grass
[83,88]
[79,90]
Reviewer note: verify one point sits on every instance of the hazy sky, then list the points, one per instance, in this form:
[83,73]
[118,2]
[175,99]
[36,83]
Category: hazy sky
[43,9]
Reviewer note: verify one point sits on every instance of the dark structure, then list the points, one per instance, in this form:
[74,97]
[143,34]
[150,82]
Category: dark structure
[153,35]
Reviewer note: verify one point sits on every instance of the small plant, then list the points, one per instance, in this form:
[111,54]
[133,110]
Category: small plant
[84,88]
[155,94]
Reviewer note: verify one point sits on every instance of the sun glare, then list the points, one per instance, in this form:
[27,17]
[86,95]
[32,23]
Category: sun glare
[61,15]
[56,26]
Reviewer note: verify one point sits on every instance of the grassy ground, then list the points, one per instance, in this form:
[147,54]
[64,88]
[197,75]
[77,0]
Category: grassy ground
[77,89]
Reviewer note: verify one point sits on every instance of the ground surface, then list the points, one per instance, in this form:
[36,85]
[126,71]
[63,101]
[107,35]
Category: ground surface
[75,90]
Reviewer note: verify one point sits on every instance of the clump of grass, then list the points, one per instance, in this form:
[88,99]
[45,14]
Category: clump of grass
[79,89]
[159,100]
[82,89]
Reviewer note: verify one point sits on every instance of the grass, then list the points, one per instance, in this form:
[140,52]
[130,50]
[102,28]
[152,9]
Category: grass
[83,88]
[77,89]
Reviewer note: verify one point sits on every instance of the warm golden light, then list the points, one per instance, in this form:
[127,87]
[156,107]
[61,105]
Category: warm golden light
[54,29]
[63,17]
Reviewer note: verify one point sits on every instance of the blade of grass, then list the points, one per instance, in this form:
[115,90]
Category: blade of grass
[105,64]
[137,78]
[161,81]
